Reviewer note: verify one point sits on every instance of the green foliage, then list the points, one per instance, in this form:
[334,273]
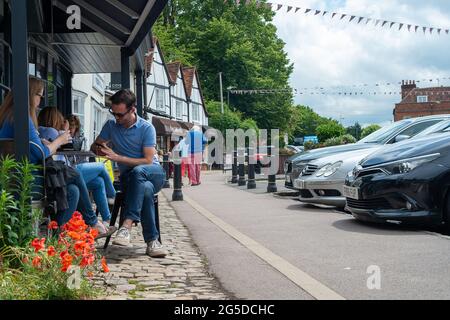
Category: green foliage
[241,42]
[228,120]
[347,138]
[355,131]
[329,130]
[309,145]
[369,130]
[17,218]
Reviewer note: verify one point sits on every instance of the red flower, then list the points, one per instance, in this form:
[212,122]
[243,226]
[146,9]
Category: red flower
[87,260]
[37,262]
[66,262]
[51,251]
[38,245]
[53,225]
[104,265]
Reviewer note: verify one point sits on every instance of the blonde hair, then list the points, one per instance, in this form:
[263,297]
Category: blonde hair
[51,117]
[6,109]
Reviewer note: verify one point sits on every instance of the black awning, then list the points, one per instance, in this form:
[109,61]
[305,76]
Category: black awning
[107,26]
[166,126]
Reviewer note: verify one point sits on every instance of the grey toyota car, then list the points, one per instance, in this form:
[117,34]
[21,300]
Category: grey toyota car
[395,132]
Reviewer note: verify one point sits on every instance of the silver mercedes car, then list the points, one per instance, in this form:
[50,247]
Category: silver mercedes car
[322,181]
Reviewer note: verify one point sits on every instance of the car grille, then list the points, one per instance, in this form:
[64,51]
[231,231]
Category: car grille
[369,172]
[328,193]
[372,204]
[306,194]
[309,170]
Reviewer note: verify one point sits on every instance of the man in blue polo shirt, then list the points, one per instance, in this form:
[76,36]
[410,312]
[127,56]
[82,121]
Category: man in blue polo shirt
[130,141]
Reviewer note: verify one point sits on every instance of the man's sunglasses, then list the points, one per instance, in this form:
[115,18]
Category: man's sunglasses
[119,115]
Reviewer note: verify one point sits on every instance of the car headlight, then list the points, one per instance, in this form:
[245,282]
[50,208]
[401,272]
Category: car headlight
[332,169]
[323,170]
[408,165]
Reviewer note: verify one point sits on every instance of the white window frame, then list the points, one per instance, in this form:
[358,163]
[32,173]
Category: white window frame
[422,99]
[81,98]
[195,112]
[98,83]
[159,96]
[179,109]
[97,110]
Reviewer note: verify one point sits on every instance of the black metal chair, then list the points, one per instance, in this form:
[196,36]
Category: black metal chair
[118,207]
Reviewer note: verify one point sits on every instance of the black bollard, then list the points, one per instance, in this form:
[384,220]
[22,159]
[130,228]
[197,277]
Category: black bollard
[272,179]
[241,157]
[177,192]
[234,169]
[167,169]
[251,183]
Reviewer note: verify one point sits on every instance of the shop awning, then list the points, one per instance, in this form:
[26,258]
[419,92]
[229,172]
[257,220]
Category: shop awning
[165,126]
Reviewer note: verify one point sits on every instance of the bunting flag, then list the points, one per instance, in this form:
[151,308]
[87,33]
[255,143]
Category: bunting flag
[351,18]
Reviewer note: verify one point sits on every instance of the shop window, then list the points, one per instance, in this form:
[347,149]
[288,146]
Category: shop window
[179,110]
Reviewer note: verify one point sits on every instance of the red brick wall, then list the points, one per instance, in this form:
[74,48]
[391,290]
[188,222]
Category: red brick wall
[414,110]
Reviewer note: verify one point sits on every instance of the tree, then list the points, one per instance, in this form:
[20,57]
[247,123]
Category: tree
[227,120]
[238,40]
[355,131]
[329,130]
[370,129]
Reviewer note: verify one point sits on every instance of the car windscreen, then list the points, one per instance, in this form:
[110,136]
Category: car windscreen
[443,126]
[382,134]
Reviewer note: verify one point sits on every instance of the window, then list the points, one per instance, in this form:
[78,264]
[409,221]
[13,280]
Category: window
[195,113]
[98,83]
[99,119]
[78,108]
[159,99]
[419,127]
[179,110]
[422,99]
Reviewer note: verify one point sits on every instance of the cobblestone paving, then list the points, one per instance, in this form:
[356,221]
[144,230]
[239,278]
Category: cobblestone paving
[182,275]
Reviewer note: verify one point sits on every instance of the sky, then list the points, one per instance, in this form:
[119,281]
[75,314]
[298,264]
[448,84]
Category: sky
[335,55]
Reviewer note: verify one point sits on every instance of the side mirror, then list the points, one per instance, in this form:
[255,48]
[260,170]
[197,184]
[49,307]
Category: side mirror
[402,137]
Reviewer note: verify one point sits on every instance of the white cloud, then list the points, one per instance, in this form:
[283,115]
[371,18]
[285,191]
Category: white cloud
[328,53]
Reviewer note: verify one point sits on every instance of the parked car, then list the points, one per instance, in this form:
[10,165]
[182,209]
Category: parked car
[396,132]
[408,182]
[295,149]
[322,181]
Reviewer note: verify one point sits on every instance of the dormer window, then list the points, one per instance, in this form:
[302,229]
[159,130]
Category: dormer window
[422,99]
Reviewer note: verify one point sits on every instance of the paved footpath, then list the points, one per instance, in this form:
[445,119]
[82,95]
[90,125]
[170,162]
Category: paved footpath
[182,275]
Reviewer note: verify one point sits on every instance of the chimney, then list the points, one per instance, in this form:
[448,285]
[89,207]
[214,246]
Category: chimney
[407,86]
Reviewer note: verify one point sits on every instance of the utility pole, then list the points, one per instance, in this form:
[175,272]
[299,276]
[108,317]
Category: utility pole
[221,91]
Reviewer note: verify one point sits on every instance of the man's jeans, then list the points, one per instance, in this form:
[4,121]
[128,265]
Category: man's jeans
[99,182]
[140,186]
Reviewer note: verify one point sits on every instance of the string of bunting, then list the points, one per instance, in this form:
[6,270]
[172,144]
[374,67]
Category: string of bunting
[341,93]
[360,20]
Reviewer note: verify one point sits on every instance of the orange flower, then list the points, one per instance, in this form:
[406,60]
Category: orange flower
[38,245]
[93,232]
[66,262]
[37,262]
[77,216]
[81,247]
[51,251]
[53,225]
[104,265]
[87,260]
[63,254]
[74,235]
[90,274]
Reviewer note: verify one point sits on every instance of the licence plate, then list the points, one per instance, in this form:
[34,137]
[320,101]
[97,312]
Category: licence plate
[352,193]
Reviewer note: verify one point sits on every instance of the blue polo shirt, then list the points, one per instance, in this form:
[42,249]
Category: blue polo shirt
[7,132]
[132,141]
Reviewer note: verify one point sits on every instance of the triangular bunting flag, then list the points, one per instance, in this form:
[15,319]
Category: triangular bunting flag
[360,19]
[334,13]
[324,13]
[368,20]
[289,8]
[416,28]
[296,9]
[343,16]
[351,18]
[446,31]
[431,30]
[377,22]
[279,7]
[317,12]
[307,10]
[439,31]
[392,23]
[424,29]
[384,23]
[409,27]
[401,26]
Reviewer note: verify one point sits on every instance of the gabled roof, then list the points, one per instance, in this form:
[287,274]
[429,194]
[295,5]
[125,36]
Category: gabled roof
[151,55]
[174,68]
[188,75]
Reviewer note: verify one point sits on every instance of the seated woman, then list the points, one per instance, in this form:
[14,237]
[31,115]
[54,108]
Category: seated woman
[36,92]
[94,174]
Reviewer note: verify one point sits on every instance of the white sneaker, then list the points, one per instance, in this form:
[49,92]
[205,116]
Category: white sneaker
[156,249]
[123,237]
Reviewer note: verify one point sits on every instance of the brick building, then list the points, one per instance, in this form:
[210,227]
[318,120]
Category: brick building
[419,102]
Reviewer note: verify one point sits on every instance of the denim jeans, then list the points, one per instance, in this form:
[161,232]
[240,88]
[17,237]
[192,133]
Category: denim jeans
[83,201]
[99,183]
[140,186]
